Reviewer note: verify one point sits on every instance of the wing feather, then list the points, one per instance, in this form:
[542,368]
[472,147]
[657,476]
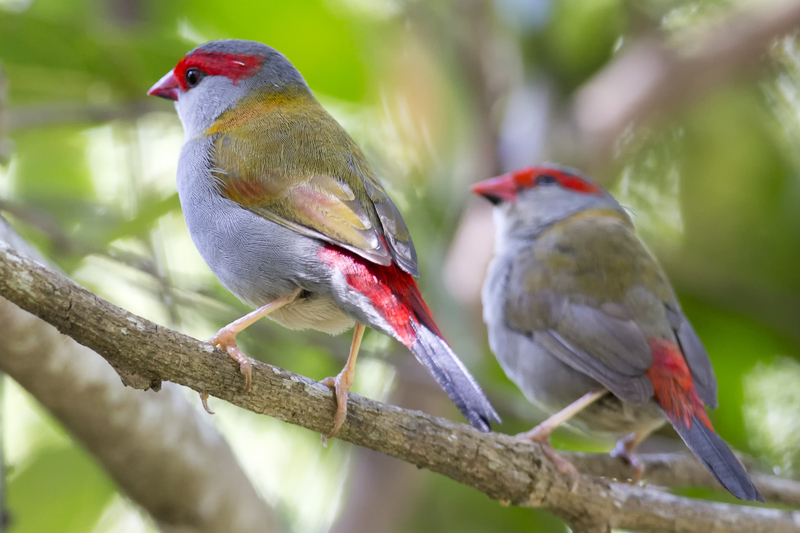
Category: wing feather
[696,357]
[293,164]
[591,311]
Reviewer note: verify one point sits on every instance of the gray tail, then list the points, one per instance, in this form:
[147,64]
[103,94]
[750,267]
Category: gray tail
[454,378]
[718,459]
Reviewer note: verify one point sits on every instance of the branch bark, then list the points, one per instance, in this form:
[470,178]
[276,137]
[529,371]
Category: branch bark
[652,80]
[506,469]
[681,469]
[157,447]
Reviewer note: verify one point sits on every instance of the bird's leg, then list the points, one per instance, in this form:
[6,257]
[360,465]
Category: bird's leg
[226,339]
[342,383]
[541,433]
[625,449]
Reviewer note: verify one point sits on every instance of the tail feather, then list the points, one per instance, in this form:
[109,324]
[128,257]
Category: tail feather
[453,377]
[675,392]
[718,459]
[396,298]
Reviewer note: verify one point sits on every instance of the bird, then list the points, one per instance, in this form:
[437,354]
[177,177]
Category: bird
[585,322]
[289,216]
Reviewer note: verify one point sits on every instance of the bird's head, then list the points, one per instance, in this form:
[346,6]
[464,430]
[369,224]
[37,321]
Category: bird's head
[216,76]
[530,199]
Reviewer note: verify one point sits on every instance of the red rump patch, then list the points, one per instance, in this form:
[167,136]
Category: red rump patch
[393,292]
[673,385]
[232,66]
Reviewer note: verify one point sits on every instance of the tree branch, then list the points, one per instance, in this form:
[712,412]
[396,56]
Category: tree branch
[682,470]
[137,436]
[652,80]
[504,468]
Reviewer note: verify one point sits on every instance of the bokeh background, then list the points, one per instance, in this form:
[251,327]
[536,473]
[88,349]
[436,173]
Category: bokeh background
[440,94]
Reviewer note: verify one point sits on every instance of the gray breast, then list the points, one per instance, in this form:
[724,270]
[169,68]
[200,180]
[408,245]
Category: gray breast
[257,260]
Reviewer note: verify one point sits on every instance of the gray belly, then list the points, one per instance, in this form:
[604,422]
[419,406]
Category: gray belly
[260,261]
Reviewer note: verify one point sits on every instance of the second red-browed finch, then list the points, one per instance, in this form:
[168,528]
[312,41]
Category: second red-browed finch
[584,321]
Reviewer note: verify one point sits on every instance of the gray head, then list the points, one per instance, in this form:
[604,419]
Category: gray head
[210,79]
[530,199]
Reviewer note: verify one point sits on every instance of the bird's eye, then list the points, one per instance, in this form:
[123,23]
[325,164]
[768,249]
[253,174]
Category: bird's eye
[193,76]
[546,179]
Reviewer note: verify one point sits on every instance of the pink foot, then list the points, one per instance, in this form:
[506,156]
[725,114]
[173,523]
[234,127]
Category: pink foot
[341,384]
[226,340]
[624,450]
[541,436]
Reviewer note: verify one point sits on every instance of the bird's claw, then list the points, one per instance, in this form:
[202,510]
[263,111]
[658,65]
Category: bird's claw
[245,367]
[624,450]
[204,400]
[226,340]
[562,464]
[541,436]
[341,384]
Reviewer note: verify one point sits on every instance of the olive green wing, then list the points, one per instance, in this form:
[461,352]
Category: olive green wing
[571,293]
[308,175]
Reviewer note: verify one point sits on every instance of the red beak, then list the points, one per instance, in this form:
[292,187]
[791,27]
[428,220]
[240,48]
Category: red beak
[500,189]
[167,87]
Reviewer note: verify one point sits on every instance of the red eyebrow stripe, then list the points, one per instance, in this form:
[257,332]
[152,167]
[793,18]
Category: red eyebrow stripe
[526,177]
[577,184]
[232,66]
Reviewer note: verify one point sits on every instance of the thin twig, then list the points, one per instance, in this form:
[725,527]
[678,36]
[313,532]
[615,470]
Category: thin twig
[681,469]
[504,468]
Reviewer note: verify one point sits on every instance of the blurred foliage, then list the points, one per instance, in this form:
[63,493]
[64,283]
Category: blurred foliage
[714,190]
[74,488]
[580,38]
[54,485]
[437,514]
